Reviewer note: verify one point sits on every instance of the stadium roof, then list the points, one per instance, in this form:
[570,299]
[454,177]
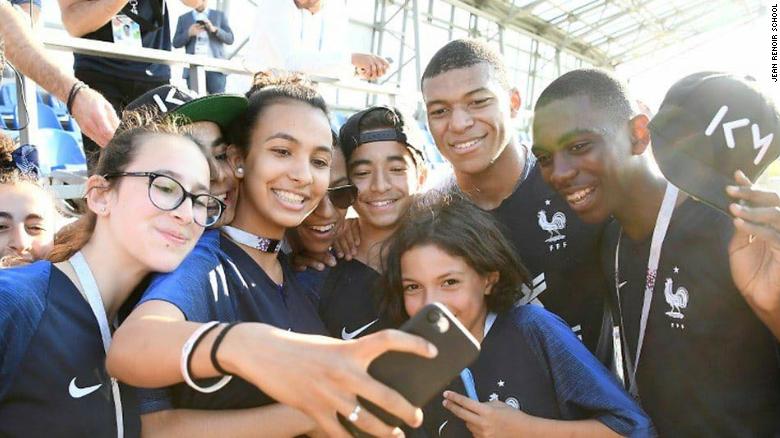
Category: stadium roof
[612,32]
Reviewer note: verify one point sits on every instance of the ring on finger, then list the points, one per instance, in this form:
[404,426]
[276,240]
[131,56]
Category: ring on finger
[353,416]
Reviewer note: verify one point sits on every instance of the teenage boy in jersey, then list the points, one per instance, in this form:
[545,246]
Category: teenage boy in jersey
[387,168]
[471,105]
[708,366]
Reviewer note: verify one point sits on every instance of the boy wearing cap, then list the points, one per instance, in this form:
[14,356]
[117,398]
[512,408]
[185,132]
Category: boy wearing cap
[471,106]
[209,117]
[686,276]
[387,168]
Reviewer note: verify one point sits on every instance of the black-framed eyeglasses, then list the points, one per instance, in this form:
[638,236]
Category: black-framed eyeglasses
[342,196]
[168,194]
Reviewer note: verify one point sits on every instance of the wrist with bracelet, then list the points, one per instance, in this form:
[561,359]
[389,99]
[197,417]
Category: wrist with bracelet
[188,351]
[74,91]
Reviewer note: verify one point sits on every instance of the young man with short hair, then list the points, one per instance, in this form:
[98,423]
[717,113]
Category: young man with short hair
[688,285]
[386,165]
[471,105]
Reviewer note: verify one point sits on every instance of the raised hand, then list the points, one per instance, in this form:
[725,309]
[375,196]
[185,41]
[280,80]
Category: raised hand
[754,251]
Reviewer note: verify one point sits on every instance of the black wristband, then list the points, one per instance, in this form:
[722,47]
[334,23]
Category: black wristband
[215,347]
[74,90]
[195,346]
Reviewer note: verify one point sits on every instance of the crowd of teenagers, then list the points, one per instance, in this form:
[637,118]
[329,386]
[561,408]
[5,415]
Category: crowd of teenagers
[621,274]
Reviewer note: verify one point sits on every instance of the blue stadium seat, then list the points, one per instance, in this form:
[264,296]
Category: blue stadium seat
[58,149]
[46,117]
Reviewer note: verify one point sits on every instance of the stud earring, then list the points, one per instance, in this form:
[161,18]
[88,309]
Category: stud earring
[239,170]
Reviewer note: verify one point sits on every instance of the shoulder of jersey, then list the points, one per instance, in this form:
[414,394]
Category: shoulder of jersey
[24,285]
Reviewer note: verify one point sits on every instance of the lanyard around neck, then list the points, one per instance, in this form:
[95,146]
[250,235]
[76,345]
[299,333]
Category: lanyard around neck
[659,233]
[465,375]
[92,293]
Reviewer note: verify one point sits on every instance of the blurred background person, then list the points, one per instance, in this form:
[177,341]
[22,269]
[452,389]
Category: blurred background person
[119,80]
[308,36]
[204,31]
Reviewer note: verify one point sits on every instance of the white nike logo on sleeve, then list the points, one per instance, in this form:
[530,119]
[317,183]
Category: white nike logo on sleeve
[345,335]
[77,392]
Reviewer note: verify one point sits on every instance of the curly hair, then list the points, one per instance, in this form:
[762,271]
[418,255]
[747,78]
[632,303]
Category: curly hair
[9,173]
[455,225]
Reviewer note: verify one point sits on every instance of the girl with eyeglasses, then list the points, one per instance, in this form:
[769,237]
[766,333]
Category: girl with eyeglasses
[27,213]
[148,204]
[533,377]
[202,320]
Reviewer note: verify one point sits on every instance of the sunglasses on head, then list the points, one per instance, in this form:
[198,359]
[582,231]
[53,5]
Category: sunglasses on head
[342,196]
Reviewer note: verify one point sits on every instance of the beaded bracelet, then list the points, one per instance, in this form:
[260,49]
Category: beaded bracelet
[186,356]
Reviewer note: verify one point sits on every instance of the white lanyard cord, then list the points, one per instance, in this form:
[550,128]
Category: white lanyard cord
[659,233]
[92,293]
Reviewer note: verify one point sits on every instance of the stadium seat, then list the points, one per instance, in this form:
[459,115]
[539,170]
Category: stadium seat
[57,149]
[46,118]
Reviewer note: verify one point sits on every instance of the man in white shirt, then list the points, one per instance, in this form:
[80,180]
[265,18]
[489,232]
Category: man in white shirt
[308,36]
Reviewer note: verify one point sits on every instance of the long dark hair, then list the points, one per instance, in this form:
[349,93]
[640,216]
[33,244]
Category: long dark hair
[461,229]
[115,157]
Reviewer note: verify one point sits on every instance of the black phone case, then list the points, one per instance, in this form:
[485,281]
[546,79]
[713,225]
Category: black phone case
[416,378]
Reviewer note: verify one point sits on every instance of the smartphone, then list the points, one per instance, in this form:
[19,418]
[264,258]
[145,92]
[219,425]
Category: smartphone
[416,378]
[201,22]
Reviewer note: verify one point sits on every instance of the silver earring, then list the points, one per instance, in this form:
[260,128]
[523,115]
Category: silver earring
[240,170]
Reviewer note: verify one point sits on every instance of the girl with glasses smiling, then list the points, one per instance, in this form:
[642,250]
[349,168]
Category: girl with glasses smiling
[56,316]
[201,321]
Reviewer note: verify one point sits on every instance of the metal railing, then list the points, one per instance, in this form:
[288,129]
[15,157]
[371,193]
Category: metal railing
[54,40]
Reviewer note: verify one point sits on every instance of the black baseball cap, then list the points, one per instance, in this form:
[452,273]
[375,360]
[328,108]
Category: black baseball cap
[709,125]
[350,135]
[221,109]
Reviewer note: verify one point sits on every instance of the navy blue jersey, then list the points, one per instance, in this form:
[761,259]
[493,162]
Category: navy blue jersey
[218,281]
[53,380]
[708,366]
[561,253]
[532,361]
[350,300]
[311,280]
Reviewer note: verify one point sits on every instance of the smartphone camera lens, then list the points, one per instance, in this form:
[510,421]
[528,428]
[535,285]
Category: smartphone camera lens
[433,316]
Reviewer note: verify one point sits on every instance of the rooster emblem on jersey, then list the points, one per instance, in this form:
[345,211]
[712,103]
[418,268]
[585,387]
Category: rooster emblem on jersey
[553,226]
[678,299]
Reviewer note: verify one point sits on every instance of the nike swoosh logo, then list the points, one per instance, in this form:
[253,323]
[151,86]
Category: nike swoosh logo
[442,426]
[345,335]
[77,392]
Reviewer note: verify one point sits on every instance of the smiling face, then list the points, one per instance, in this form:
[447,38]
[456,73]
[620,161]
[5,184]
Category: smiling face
[159,240]
[430,274]
[469,116]
[224,184]
[583,154]
[318,231]
[285,173]
[27,217]
[385,175]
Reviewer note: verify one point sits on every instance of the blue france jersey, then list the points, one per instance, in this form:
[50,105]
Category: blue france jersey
[531,361]
[709,366]
[218,281]
[53,380]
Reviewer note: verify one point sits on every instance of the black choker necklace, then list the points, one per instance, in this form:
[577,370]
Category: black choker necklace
[263,244]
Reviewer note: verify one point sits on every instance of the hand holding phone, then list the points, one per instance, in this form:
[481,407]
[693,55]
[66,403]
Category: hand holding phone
[416,378]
